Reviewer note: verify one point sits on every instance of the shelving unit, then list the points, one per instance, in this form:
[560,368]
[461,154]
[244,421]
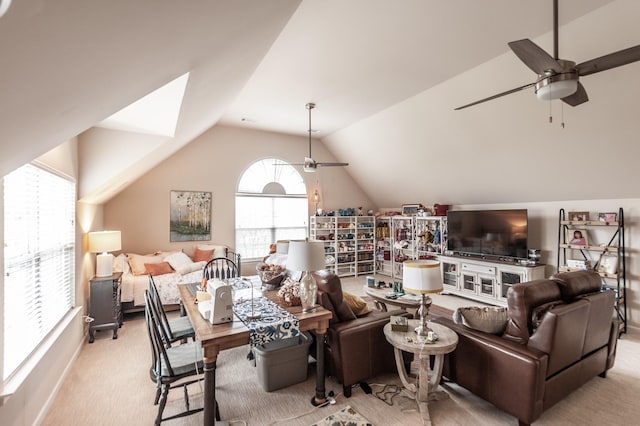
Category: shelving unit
[403,242]
[349,239]
[611,259]
[431,236]
[384,246]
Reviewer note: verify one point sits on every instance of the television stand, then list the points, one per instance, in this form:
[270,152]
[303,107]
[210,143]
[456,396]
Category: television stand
[485,280]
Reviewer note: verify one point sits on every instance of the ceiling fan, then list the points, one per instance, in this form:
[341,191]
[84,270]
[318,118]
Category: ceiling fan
[310,165]
[558,78]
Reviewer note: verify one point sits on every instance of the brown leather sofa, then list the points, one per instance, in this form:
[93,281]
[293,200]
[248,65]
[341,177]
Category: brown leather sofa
[561,333]
[356,348]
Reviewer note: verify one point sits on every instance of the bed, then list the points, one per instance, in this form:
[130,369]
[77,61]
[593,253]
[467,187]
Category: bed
[169,269]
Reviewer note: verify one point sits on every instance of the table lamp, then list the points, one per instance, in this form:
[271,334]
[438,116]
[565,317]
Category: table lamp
[306,256]
[422,277]
[103,242]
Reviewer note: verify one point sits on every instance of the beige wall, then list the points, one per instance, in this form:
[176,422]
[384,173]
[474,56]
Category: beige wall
[214,162]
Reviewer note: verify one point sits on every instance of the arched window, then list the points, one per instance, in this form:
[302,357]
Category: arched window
[271,205]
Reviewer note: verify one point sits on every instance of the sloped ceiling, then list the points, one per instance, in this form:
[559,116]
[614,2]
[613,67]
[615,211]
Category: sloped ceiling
[385,77]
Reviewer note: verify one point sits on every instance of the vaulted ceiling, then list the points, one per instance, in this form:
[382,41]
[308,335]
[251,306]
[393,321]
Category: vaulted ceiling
[385,77]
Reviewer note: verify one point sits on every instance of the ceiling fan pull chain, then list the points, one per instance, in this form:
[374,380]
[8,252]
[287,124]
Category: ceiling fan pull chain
[550,113]
[562,115]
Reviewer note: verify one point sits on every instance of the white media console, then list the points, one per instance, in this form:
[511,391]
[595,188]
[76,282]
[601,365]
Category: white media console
[484,280]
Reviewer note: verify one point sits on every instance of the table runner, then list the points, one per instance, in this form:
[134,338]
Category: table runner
[274,322]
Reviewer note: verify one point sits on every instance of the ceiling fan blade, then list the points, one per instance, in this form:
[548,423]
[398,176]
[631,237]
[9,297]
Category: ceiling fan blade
[577,98]
[612,60]
[508,92]
[331,164]
[534,56]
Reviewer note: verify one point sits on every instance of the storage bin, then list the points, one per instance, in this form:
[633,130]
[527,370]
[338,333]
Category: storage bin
[283,363]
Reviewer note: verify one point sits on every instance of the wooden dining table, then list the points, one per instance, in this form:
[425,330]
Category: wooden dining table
[216,338]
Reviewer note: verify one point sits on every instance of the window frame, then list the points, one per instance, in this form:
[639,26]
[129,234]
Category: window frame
[274,230]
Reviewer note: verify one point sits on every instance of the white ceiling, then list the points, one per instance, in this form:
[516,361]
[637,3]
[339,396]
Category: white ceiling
[379,71]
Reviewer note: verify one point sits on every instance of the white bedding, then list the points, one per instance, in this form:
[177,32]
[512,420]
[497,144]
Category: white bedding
[133,286]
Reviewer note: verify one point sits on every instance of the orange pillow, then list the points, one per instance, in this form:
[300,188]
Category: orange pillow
[200,255]
[160,268]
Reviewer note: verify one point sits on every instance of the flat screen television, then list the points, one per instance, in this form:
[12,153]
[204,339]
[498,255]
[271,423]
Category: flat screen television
[488,233]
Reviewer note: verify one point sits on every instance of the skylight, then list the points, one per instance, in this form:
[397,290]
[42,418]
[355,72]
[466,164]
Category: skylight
[156,114]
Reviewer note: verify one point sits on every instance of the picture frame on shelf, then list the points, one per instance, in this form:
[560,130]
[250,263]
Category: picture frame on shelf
[608,217]
[577,237]
[608,264]
[578,216]
[411,209]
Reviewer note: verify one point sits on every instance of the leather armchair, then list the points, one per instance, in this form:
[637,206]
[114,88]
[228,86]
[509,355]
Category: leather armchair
[356,348]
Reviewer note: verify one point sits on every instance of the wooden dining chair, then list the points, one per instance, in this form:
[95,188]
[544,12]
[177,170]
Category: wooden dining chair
[174,329]
[221,268]
[177,366]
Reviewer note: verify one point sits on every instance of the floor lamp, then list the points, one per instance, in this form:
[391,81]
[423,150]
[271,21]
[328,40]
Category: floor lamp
[307,256]
[422,277]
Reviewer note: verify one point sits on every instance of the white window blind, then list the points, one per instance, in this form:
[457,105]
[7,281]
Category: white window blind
[39,259]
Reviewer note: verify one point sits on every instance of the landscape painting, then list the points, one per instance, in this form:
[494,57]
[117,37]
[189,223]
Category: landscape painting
[190,216]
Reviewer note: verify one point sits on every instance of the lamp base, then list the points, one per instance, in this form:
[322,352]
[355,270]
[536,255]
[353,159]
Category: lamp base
[423,329]
[104,265]
[308,293]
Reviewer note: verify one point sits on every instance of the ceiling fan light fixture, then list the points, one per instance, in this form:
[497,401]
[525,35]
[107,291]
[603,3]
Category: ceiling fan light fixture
[556,86]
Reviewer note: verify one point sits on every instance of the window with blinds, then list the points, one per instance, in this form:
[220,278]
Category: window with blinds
[39,259]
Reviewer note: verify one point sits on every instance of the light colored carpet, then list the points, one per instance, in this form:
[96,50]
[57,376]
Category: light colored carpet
[109,384]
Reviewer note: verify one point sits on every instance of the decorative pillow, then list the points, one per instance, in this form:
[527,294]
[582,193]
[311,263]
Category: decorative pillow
[120,264]
[137,261]
[491,320]
[218,250]
[193,266]
[159,268]
[200,255]
[356,303]
[178,260]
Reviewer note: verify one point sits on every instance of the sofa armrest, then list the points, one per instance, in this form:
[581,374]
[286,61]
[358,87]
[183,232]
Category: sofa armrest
[507,374]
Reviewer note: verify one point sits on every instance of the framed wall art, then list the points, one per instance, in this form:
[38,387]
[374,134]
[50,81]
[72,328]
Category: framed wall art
[577,237]
[607,217]
[190,216]
[578,216]
[608,264]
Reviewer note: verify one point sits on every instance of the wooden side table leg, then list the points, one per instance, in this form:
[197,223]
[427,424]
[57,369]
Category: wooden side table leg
[402,372]
[320,396]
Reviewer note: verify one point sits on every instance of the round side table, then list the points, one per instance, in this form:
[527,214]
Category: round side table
[428,379]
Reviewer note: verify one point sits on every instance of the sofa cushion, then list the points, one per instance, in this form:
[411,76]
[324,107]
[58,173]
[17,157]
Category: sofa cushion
[576,283]
[491,319]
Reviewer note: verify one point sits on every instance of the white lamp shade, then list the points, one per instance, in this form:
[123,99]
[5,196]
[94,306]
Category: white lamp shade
[557,90]
[421,276]
[104,241]
[305,255]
